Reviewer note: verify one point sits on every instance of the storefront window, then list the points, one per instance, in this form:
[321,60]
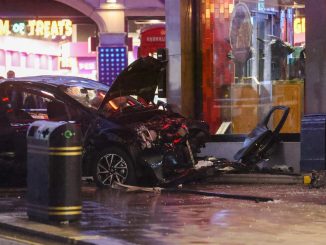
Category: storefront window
[253,59]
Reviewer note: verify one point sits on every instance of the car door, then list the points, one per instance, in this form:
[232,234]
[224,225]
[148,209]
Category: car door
[26,104]
[7,130]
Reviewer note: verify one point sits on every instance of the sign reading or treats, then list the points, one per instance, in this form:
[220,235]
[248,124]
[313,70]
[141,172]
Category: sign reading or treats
[36,28]
[241,32]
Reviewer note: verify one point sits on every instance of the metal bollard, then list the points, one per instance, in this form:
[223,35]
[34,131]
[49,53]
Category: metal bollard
[54,152]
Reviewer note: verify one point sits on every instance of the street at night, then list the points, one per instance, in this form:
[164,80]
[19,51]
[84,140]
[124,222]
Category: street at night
[162,122]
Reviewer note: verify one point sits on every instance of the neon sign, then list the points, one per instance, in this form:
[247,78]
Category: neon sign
[37,28]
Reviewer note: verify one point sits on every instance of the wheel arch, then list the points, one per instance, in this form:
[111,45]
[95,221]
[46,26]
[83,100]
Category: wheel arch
[106,140]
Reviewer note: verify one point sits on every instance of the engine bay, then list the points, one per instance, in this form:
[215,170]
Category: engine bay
[169,140]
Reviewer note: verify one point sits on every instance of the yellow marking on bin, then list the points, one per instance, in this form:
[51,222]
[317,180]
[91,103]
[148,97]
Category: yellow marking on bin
[68,148]
[56,210]
[65,208]
[56,151]
[307,179]
[65,213]
[77,153]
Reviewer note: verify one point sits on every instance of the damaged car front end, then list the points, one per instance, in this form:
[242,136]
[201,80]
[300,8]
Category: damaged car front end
[140,141]
[168,146]
[145,145]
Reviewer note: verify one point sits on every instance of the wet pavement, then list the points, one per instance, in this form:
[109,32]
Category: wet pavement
[296,216]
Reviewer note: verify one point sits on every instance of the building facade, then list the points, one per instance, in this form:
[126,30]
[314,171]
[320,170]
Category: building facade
[248,56]
[230,61]
[69,34]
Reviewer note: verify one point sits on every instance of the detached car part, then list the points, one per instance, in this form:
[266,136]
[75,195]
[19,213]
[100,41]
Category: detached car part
[261,139]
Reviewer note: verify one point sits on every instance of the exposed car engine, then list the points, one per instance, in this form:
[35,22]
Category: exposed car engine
[164,130]
[146,136]
[170,138]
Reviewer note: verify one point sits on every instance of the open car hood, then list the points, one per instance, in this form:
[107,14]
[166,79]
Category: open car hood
[139,78]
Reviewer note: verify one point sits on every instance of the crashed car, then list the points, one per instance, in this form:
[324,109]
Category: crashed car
[126,137]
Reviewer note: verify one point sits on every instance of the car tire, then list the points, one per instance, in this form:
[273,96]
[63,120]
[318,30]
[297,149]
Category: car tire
[113,165]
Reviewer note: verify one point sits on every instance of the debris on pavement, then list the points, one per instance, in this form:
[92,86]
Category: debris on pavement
[131,188]
[318,179]
[158,190]
[203,163]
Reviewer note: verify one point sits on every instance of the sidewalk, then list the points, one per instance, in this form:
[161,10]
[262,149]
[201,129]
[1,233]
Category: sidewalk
[13,218]
[296,216]
[65,234]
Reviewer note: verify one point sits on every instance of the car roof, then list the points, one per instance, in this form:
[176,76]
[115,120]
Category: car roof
[60,81]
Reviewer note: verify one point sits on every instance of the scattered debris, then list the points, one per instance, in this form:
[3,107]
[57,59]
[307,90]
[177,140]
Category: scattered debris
[130,188]
[318,179]
[203,163]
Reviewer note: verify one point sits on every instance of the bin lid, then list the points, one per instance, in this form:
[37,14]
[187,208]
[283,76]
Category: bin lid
[42,129]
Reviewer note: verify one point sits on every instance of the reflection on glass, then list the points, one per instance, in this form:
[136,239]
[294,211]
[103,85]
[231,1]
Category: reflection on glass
[253,59]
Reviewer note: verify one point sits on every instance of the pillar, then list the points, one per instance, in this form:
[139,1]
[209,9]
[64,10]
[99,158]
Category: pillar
[114,19]
[315,84]
[180,44]
[313,126]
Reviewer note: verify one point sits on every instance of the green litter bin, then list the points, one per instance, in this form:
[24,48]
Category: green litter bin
[54,155]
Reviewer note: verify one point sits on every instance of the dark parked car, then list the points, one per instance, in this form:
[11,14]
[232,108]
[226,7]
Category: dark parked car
[126,137]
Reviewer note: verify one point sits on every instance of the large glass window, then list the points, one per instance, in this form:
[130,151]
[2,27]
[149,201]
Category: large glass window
[253,59]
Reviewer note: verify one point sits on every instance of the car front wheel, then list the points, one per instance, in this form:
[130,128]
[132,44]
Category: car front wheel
[113,165]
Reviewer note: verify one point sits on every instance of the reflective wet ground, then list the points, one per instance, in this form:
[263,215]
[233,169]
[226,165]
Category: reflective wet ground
[296,216]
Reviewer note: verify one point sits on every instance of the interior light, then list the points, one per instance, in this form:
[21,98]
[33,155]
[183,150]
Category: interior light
[111,1]
[112,104]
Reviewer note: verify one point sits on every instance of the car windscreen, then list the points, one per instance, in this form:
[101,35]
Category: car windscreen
[87,96]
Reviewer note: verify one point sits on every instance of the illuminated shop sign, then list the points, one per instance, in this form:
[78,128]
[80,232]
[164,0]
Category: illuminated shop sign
[37,28]
[86,65]
[111,61]
[299,25]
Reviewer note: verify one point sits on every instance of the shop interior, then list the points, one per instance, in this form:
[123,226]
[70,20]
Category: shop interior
[259,61]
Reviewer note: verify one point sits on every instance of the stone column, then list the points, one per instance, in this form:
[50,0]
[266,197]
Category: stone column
[313,127]
[114,32]
[180,44]
[315,84]
[112,39]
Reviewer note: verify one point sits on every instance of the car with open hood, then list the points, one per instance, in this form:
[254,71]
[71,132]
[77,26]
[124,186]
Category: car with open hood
[127,138]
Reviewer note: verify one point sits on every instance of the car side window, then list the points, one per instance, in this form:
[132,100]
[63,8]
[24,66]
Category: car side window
[32,105]
[35,105]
